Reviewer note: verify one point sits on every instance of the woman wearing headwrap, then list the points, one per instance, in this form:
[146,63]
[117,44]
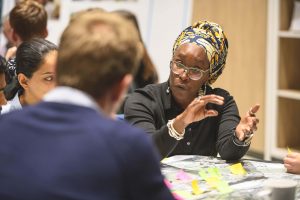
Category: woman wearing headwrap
[185,115]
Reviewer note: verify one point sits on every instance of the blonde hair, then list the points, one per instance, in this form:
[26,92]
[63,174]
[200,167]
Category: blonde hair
[96,51]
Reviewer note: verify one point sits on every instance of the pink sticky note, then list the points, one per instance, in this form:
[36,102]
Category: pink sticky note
[181,175]
[177,197]
[168,184]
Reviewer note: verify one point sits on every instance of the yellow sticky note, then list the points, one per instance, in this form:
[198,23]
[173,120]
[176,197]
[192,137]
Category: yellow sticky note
[223,187]
[214,172]
[164,160]
[289,150]
[213,181]
[203,174]
[196,189]
[237,169]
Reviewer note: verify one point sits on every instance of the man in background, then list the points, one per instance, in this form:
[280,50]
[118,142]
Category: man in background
[68,146]
[28,19]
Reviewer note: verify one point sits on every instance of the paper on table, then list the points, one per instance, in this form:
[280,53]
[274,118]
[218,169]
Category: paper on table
[223,187]
[237,169]
[168,184]
[175,159]
[210,172]
[213,178]
[181,195]
[214,171]
[289,150]
[181,175]
[196,189]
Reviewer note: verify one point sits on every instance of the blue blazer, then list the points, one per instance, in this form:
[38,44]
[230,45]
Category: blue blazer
[63,151]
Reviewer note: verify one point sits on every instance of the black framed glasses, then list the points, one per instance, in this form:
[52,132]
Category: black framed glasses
[192,72]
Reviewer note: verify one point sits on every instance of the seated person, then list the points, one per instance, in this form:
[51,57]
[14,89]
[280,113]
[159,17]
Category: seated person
[185,115]
[67,146]
[292,163]
[2,81]
[35,68]
[146,73]
[27,20]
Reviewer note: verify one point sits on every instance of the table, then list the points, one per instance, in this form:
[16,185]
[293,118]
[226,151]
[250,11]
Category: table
[201,177]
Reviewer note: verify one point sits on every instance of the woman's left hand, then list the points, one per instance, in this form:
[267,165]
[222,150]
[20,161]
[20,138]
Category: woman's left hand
[248,124]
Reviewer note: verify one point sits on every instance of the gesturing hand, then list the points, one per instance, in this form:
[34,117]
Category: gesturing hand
[292,163]
[248,124]
[197,111]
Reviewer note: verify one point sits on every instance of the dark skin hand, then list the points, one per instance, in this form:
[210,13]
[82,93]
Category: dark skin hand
[248,124]
[196,111]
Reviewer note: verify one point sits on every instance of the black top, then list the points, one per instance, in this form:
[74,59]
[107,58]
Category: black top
[151,107]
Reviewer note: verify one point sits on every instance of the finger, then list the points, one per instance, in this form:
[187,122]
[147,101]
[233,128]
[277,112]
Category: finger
[291,155]
[253,118]
[241,137]
[247,129]
[246,133]
[286,161]
[250,123]
[254,123]
[212,96]
[211,113]
[213,100]
[197,102]
[288,167]
[287,164]
[253,127]
[254,109]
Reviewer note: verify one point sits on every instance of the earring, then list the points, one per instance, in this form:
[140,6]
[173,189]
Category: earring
[168,90]
[202,90]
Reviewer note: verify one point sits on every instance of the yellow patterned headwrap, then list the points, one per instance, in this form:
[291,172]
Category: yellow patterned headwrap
[211,37]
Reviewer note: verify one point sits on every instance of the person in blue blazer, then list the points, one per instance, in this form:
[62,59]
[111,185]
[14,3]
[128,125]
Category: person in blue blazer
[69,146]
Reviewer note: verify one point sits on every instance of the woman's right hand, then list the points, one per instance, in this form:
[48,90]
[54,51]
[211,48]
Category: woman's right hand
[197,111]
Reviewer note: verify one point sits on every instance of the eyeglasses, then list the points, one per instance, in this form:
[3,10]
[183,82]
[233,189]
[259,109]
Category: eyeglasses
[192,72]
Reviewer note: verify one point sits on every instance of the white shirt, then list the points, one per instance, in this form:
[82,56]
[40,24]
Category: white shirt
[63,94]
[11,105]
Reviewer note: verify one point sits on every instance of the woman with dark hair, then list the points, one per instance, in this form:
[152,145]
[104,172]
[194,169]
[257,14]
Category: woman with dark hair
[35,73]
[146,72]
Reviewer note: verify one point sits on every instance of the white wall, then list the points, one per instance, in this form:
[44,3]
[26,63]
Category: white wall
[160,22]
[168,19]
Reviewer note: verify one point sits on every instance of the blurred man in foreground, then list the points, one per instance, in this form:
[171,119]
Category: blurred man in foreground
[68,147]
